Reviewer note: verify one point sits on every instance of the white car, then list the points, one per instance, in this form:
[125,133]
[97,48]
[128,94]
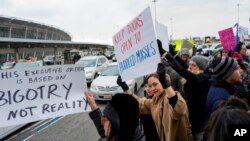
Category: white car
[214,47]
[7,65]
[93,65]
[28,64]
[105,86]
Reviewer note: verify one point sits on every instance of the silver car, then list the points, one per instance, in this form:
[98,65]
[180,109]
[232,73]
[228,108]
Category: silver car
[93,65]
[105,86]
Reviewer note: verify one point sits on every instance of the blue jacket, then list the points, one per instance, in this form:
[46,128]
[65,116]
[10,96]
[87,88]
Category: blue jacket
[218,92]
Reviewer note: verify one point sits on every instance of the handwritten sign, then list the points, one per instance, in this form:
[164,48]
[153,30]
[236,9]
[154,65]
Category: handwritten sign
[136,48]
[227,38]
[187,44]
[243,31]
[37,93]
[162,34]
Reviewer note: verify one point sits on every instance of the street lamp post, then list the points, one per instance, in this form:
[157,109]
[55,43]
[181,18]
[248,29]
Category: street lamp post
[238,19]
[172,34]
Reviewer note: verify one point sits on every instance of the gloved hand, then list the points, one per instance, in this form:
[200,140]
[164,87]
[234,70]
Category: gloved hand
[162,76]
[161,50]
[122,84]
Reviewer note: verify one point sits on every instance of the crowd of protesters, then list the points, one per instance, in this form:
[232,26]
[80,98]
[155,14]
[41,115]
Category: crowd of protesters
[189,98]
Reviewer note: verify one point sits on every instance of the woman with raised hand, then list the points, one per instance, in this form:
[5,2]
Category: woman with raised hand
[168,108]
[196,88]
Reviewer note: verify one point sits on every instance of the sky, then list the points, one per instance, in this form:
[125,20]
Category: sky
[99,20]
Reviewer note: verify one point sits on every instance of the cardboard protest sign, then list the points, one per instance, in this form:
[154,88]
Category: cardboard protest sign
[177,43]
[227,38]
[136,48]
[162,34]
[243,31]
[37,93]
[186,44]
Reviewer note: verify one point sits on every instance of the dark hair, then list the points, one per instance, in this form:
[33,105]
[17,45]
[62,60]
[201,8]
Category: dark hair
[152,75]
[114,134]
[223,121]
[126,108]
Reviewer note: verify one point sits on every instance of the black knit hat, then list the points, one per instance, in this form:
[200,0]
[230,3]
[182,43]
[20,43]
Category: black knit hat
[223,67]
[201,61]
[123,113]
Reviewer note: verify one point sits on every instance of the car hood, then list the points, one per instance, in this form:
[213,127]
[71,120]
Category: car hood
[88,69]
[105,81]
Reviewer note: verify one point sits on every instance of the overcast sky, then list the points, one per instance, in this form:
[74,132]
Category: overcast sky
[99,20]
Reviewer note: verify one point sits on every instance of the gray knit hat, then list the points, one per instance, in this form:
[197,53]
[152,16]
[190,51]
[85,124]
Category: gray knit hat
[184,51]
[223,67]
[201,61]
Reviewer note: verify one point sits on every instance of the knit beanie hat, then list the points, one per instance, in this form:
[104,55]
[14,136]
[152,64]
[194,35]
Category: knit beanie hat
[223,67]
[201,61]
[184,51]
[123,113]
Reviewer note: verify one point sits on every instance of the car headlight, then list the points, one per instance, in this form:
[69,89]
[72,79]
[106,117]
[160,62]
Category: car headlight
[93,87]
[89,73]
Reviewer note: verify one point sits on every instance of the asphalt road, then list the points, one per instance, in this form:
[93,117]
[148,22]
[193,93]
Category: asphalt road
[75,127]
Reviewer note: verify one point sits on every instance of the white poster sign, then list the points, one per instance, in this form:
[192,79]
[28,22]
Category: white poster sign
[243,31]
[37,93]
[136,48]
[162,35]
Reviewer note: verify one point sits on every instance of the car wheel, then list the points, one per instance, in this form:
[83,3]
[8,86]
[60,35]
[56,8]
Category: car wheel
[135,89]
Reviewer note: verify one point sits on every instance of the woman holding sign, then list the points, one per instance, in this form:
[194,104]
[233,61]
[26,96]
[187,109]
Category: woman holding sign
[168,108]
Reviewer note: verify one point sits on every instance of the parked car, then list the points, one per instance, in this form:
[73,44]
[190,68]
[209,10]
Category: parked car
[214,47]
[105,86]
[7,65]
[28,64]
[93,65]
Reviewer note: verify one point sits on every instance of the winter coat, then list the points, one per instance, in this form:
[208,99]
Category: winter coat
[172,124]
[218,92]
[195,89]
[176,79]
[96,118]
[149,128]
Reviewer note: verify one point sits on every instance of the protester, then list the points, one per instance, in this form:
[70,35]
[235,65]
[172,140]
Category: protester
[184,55]
[240,52]
[177,82]
[76,57]
[168,108]
[226,74]
[119,121]
[224,122]
[195,88]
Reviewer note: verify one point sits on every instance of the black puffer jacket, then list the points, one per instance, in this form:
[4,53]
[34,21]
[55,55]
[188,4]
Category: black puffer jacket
[196,90]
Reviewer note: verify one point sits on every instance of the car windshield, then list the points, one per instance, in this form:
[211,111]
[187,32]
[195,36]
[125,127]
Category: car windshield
[49,58]
[87,63]
[7,64]
[26,65]
[110,71]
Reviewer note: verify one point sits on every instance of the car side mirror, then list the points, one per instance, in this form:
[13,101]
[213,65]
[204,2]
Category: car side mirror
[99,64]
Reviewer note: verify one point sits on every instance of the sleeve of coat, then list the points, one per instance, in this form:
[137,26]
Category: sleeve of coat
[180,108]
[144,104]
[96,118]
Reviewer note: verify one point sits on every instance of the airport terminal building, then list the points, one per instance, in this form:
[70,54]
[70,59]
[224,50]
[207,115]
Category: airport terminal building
[20,39]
